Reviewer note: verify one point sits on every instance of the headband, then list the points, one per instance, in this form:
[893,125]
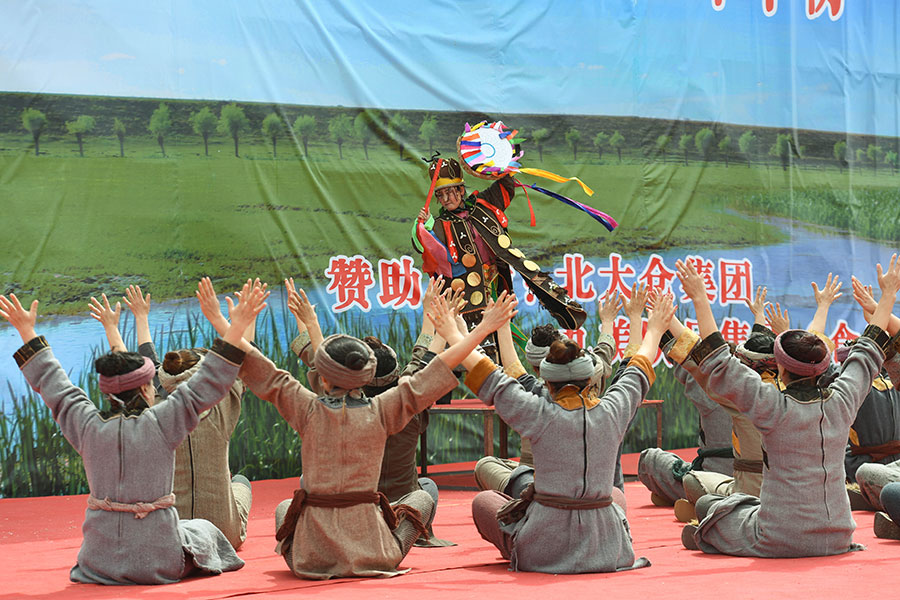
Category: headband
[535,354]
[337,374]
[116,384]
[387,378]
[578,369]
[799,367]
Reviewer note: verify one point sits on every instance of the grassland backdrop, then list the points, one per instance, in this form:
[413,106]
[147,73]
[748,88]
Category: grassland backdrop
[86,218]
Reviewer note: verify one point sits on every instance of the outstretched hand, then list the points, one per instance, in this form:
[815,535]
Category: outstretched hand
[661,314]
[829,293]
[889,281]
[758,305]
[252,300]
[137,302]
[634,307]
[778,321]
[499,311]
[609,306]
[23,320]
[104,313]
[299,304]
[434,288]
[863,296]
[691,281]
[209,305]
[442,317]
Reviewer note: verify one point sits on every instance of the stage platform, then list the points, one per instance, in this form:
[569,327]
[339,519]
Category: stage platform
[40,537]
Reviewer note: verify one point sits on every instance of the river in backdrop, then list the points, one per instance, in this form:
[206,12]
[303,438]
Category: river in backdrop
[787,269]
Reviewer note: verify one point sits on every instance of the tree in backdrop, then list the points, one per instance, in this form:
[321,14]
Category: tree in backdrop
[861,157]
[233,122]
[573,136]
[782,149]
[725,148]
[874,154]
[204,123]
[34,121]
[684,144]
[272,127]
[363,130]
[428,131]
[399,127]
[84,124]
[840,155]
[617,142]
[160,125]
[340,128]
[748,145]
[119,130]
[891,160]
[600,141]
[703,141]
[662,145]
[540,137]
[305,128]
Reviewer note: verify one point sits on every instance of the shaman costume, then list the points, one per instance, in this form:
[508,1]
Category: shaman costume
[572,525]
[132,532]
[341,454]
[471,247]
[803,508]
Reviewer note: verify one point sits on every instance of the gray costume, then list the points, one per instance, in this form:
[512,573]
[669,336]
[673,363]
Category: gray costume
[877,423]
[574,441]
[132,459]
[657,468]
[803,509]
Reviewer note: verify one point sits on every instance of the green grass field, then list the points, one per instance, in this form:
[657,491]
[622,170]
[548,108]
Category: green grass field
[81,226]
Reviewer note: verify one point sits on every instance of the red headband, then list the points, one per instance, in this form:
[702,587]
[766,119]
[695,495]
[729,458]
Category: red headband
[797,366]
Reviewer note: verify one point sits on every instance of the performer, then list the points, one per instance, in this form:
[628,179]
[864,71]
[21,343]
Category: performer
[468,243]
[803,508]
[132,532]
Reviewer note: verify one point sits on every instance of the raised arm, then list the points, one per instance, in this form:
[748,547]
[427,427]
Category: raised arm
[462,349]
[863,296]
[694,286]
[109,318]
[889,282]
[779,321]
[633,308]
[139,304]
[824,298]
[305,314]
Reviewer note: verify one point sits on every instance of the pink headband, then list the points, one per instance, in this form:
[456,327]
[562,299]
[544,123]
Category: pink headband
[116,384]
[796,366]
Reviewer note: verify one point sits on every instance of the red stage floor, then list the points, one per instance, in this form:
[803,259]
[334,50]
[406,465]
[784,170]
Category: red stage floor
[40,537]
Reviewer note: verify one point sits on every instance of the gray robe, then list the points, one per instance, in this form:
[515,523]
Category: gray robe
[132,459]
[656,466]
[803,509]
[574,457]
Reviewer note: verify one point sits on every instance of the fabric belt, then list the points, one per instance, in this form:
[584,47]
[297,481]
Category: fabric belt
[391,514]
[514,510]
[140,509]
[748,466]
[879,451]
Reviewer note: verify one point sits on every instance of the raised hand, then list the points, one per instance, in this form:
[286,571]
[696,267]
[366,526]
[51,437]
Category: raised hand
[758,305]
[455,299]
[252,300]
[435,288]
[423,215]
[863,296]
[889,281]
[661,315]
[634,307]
[691,282]
[778,321]
[609,306]
[23,320]
[104,313]
[209,305]
[136,301]
[441,316]
[829,293]
[499,311]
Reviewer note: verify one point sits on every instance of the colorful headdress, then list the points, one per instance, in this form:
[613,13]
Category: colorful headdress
[450,173]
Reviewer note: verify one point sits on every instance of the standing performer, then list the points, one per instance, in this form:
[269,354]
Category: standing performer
[468,244]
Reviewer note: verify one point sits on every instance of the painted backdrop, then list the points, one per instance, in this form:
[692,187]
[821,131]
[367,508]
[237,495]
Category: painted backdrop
[153,144]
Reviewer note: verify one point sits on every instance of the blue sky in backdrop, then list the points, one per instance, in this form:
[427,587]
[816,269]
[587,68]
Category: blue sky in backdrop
[650,58]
